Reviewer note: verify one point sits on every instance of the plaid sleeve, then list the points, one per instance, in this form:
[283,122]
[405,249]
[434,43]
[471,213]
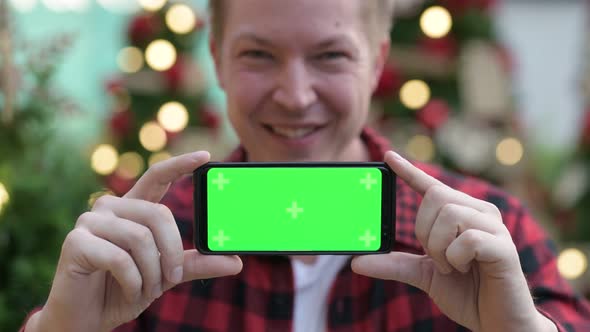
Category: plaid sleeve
[552,294]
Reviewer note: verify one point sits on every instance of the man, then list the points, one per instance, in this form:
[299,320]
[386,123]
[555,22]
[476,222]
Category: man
[298,76]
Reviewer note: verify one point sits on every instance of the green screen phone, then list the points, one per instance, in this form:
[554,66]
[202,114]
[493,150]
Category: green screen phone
[294,208]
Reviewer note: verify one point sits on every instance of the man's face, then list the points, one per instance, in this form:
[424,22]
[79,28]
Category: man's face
[298,75]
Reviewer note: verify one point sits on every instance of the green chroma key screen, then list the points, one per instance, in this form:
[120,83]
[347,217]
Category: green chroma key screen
[294,209]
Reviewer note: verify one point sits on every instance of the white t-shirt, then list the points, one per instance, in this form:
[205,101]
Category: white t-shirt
[312,285]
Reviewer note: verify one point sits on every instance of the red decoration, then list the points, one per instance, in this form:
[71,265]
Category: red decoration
[389,82]
[461,6]
[143,29]
[121,123]
[586,130]
[434,114]
[175,75]
[506,59]
[445,47]
[210,118]
[119,185]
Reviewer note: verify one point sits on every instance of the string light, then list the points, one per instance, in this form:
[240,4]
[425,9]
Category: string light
[23,6]
[572,263]
[67,5]
[420,147]
[173,117]
[131,165]
[104,159]
[152,137]
[436,22]
[152,5]
[509,151]
[130,60]
[157,157]
[181,19]
[119,6]
[160,55]
[415,94]
[4,197]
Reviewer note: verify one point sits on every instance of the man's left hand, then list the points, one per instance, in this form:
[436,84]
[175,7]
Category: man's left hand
[471,268]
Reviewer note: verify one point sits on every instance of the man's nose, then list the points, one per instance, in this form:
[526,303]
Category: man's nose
[295,87]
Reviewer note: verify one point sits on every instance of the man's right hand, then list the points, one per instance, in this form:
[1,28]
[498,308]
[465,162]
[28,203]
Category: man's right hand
[123,255]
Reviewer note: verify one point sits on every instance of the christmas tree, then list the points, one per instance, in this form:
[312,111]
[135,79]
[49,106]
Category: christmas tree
[159,105]
[444,95]
[44,179]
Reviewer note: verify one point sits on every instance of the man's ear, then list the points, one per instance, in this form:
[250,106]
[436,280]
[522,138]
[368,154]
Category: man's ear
[380,60]
[215,55]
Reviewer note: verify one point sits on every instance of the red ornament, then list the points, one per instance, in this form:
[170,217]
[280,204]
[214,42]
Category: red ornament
[210,118]
[586,130]
[174,76]
[114,86]
[461,6]
[506,59]
[434,114]
[118,185]
[389,82]
[445,47]
[121,123]
[143,29]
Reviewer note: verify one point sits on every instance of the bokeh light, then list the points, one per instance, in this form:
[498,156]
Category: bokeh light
[152,137]
[4,197]
[181,19]
[157,157]
[173,117]
[104,159]
[509,151]
[23,6]
[415,94]
[152,5]
[160,55]
[131,165]
[436,22]
[421,147]
[572,263]
[130,60]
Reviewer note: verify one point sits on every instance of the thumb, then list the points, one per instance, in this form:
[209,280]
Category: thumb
[415,270]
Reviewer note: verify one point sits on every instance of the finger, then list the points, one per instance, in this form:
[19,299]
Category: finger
[160,221]
[133,238]
[416,178]
[399,266]
[95,254]
[452,220]
[197,266]
[475,246]
[436,198]
[155,182]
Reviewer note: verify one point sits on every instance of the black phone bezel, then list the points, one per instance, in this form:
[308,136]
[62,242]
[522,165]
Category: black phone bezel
[388,200]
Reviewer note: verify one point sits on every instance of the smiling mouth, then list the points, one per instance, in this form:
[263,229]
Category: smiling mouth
[292,132]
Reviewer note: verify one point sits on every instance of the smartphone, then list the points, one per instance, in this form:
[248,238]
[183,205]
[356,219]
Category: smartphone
[294,208]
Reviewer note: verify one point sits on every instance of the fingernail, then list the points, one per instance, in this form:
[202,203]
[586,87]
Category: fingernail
[176,275]
[396,156]
[199,155]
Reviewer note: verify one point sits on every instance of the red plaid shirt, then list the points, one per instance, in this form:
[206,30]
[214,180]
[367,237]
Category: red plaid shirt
[261,297]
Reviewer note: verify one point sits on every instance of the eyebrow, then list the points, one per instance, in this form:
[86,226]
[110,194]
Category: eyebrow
[331,41]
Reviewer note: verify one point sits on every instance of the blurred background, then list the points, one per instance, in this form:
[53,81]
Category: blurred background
[92,92]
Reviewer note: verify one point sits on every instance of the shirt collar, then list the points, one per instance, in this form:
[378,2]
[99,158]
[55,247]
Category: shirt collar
[376,144]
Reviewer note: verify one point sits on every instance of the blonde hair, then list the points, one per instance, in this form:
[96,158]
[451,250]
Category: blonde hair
[376,14]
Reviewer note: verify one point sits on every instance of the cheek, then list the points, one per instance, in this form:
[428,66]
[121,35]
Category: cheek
[348,94]
[245,92]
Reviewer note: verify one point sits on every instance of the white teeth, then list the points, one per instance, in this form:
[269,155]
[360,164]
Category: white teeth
[292,132]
